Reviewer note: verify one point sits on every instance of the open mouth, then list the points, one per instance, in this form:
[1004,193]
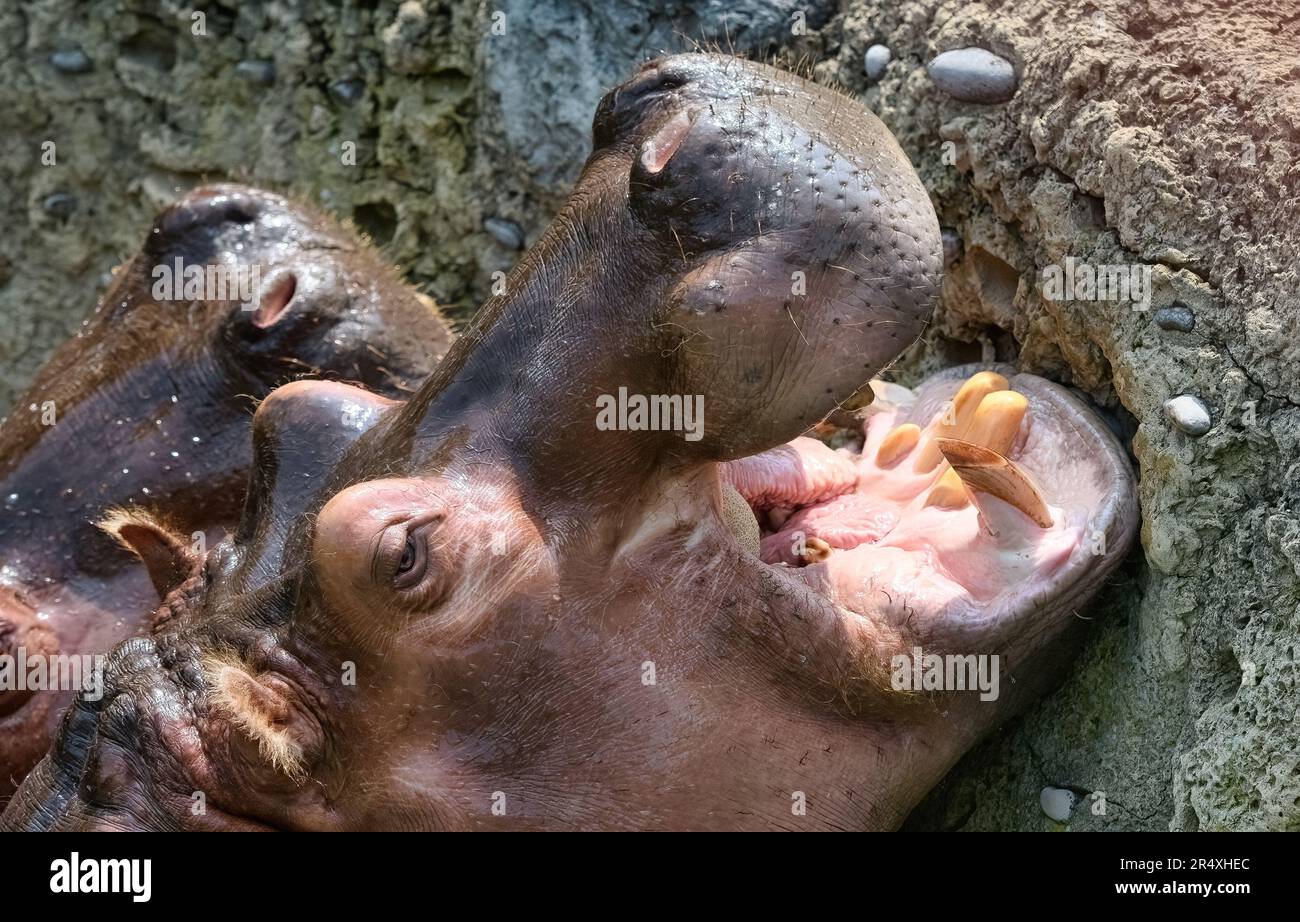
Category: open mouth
[960,499]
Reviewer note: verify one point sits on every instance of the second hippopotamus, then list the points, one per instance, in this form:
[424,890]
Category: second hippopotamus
[144,417]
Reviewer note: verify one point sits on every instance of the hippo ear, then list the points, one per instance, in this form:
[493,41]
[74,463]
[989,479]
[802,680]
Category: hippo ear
[167,557]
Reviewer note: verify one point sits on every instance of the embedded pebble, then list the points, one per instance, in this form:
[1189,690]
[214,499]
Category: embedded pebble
[973,75]
[875,61]
[262,72]
[1189,414]
[1178,317]
[952,245]
[507,233]
[348,92]
[71,61]
[60,205]
[1057,803]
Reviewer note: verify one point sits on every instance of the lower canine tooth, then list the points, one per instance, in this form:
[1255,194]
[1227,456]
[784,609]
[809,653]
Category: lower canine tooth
[815,550]
[986,471]
[899,441]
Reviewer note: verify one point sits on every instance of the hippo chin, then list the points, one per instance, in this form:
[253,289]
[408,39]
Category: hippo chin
[538,595]
[145,416]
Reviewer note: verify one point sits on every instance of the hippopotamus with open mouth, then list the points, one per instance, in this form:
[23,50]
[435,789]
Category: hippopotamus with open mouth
[145,417]
[591,575]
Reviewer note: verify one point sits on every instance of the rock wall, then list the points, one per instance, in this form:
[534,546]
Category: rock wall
[447,131]
[1156,136]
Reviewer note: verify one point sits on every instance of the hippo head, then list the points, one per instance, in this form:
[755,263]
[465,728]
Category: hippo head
[147,412]
[550,590]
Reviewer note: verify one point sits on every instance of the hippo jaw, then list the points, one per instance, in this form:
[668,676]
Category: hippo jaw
[622,661]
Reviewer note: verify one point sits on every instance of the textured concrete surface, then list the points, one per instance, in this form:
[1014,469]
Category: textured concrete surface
[1143,133]
[428,124]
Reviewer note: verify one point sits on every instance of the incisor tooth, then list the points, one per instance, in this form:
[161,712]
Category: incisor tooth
[963,411]
[948,492]
[899,441]
[815,550]
[984,470]
[997,421]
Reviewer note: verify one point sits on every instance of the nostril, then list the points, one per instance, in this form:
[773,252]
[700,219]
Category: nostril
[275,300]
[651,84]
[661,146]
[206,208]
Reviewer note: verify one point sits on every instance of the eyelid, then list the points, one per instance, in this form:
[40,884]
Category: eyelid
[390,544]
[381,558]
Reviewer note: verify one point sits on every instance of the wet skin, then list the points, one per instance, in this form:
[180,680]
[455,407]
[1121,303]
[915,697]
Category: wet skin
[483,611]
[149,408]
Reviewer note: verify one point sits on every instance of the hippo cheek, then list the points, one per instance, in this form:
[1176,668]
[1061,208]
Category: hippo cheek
[982,511]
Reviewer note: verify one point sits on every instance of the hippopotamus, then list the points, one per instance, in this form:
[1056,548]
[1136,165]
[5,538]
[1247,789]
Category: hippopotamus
[145,416]
[593,574]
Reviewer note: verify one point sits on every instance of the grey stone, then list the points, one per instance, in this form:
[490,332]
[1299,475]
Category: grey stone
[507,233]
[974,75]
[72,61]
[256,71]
[952,245]
[875,61]
[349,91]
[1189,414]
[1177,317]
[60,205]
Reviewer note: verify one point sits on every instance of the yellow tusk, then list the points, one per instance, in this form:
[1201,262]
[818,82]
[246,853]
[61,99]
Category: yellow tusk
[948,492]
[899,441]
[960,416]
[997,421]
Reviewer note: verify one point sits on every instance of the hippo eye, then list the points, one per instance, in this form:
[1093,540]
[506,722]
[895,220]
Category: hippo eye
[408,557]
[401,554]
[413,561]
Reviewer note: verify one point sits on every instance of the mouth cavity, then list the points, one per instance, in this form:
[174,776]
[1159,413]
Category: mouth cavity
[957,494]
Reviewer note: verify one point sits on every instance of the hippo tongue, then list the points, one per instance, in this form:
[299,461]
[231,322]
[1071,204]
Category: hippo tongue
[799,473]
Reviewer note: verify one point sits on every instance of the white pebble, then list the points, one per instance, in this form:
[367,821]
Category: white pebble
[1189,414]
[1057,803]
[875,61]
